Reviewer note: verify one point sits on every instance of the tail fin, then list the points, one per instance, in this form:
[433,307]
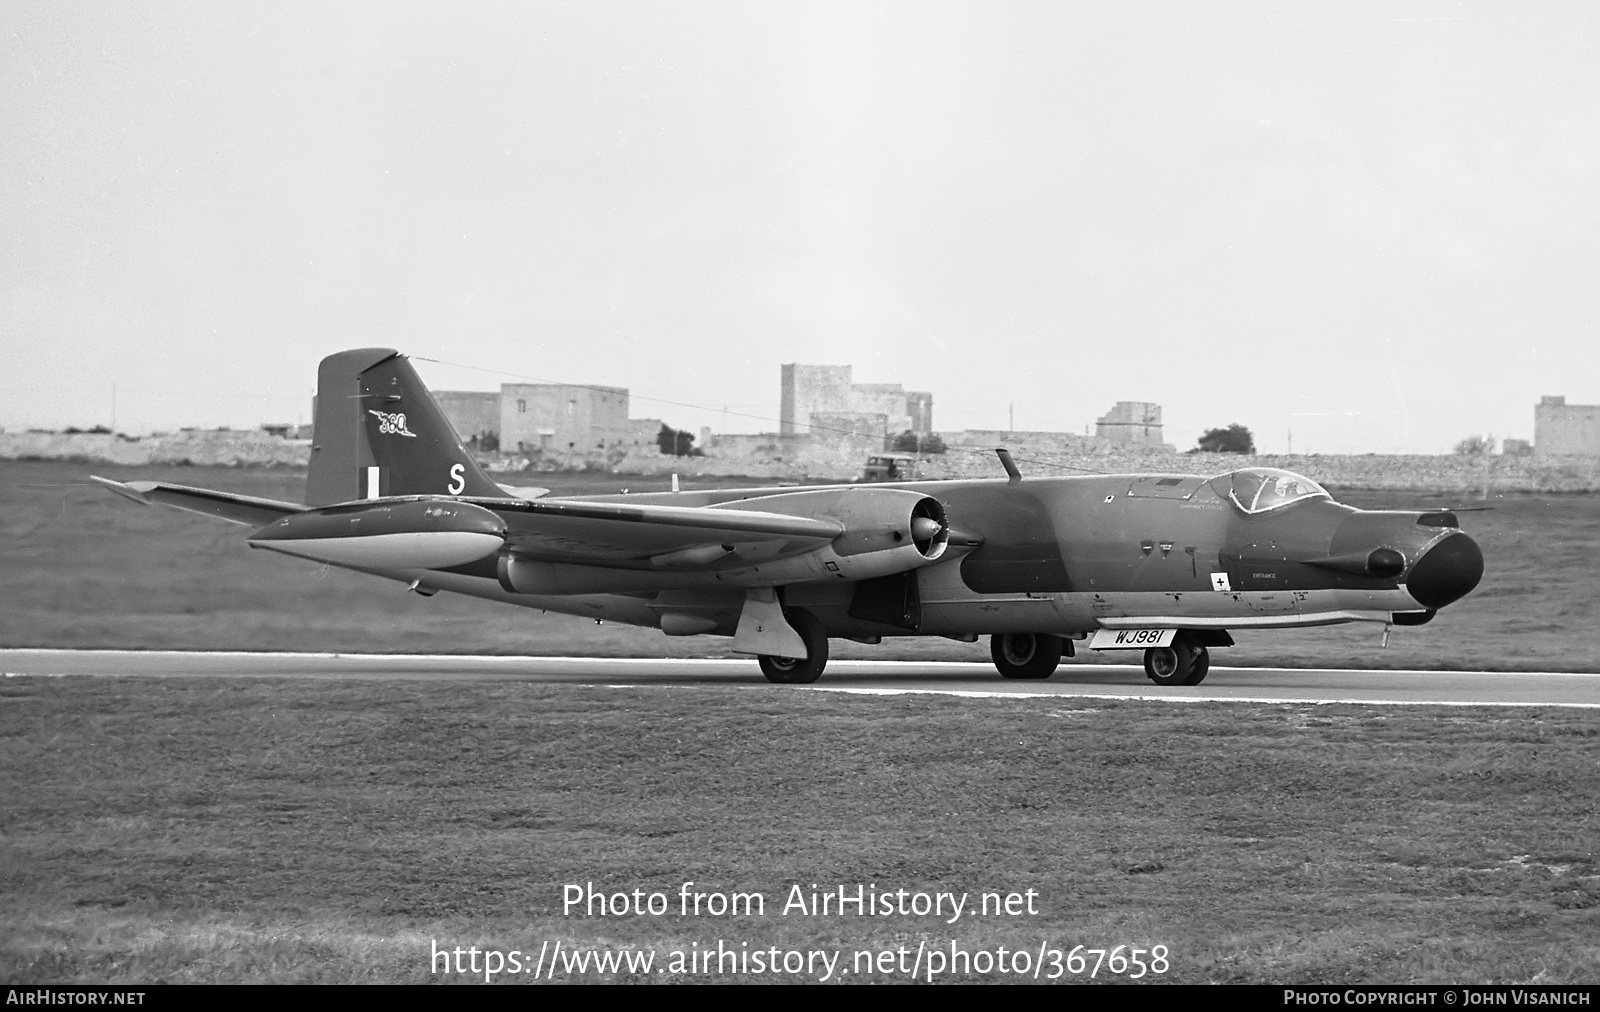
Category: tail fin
[379,432]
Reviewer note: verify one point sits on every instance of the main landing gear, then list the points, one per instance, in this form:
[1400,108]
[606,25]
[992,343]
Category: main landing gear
[1184,663]
[799,670]
[1025,655]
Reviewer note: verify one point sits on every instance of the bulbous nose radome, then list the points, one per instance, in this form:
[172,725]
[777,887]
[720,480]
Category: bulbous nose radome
[1446,572]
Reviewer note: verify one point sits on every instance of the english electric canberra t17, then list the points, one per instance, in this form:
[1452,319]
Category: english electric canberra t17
[1166,564]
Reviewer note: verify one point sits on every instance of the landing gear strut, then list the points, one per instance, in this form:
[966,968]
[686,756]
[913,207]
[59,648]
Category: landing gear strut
[1184,663]
[799,670]
[1025,655]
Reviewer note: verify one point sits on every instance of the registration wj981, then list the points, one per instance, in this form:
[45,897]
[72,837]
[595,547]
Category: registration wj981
[1131,639]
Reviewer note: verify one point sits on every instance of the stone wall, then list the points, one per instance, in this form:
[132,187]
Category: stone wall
[222,448]
[1448,473]
[799,459]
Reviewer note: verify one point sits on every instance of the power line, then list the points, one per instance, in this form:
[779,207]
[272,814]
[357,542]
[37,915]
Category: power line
[958,447]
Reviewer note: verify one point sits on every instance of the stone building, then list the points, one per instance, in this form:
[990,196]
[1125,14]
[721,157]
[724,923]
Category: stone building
[564,417]
[1562,429]
[808,391]
[474,414]
[1131,422]
[587,422]
[868,429]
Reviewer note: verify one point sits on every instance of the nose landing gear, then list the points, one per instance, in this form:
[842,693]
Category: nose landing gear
[1184,663]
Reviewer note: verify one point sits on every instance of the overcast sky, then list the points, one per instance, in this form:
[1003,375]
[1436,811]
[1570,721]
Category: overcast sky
[1377,225]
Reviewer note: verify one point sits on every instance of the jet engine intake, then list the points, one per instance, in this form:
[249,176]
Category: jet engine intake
[887,531]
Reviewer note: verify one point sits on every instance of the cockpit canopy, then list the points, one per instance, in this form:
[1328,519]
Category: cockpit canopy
[1262,489]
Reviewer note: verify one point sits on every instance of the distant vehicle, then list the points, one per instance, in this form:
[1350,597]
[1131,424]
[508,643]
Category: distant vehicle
[1162,563]
[890,467]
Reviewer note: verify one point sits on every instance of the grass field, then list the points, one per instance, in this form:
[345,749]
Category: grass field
[205,830]
[84,568]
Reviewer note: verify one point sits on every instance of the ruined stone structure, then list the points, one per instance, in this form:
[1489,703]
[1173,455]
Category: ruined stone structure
[1561,429]
[808,391]
[919,405]
[1136,422]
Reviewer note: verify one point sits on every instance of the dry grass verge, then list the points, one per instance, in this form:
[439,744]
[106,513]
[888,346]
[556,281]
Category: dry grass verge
[209,830]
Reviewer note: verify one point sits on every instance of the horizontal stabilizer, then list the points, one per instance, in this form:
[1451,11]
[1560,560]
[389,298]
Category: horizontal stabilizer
[523,491]
[250,510]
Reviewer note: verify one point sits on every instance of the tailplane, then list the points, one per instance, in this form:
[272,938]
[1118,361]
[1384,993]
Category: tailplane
[379,432]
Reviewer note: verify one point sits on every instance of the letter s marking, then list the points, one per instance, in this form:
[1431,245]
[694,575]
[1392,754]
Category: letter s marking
[458,480]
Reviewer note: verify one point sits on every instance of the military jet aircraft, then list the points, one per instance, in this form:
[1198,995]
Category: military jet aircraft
[1163,563]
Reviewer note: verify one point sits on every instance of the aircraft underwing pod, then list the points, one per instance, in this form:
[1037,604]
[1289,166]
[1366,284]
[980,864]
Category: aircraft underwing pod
[406,534]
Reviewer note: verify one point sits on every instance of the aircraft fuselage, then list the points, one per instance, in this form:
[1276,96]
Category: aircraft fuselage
[1068,556]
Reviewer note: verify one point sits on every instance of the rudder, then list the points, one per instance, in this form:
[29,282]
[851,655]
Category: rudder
[379,432]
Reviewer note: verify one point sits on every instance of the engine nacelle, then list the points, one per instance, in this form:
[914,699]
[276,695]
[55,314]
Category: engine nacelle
[401,534]
[886,531]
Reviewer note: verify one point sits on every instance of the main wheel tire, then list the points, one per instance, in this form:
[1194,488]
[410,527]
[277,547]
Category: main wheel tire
[1170,665]
[799,670]
[1200,665]
[1025,655]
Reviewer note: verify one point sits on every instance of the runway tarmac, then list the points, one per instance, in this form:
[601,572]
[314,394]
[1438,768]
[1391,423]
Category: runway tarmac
[1094,681]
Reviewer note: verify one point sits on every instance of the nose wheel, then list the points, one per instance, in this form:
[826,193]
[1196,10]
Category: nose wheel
[1184,663]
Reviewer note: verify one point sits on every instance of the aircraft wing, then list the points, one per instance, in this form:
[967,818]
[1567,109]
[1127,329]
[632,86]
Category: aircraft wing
[629,534]
[439,532]
[240,509]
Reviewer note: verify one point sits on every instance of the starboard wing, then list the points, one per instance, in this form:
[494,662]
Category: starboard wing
[591,533]
[647,534]
[252,511]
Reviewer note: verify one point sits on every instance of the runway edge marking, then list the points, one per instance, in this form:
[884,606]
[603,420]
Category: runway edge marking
[1064,696]
[981,694]
[11,652]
